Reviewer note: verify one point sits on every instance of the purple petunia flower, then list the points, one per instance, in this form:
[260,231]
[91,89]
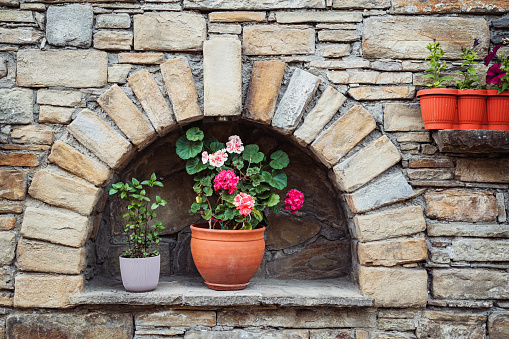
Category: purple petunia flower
[476,42]
[492,55]
[495,74]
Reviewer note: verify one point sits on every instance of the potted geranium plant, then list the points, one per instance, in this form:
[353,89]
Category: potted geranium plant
[139,265]
[235,187]
[497,79]
[438,104]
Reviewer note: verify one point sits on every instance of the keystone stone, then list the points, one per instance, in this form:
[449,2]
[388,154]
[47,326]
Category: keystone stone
[382,93]
[299,93]
[483,170]
[55,115]
[467,284]
[60,98]
[498,325]
[33,134]
[55,225]
[480,250]
[121,20]
[252,4]
[319,17]
[391,253]
[461,205]
[64,192]
[278,40]
[402,118]
[100,138]
[113,40]
[19,36]
[176,318]
[70,25]
[7,247]
[437,6]
[13,185]
[237,16]
[16,106]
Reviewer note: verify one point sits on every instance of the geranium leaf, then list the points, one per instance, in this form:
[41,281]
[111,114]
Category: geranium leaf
[216,146]
[194,166]
[279,160]
[188,149]
[194,134]
[279,179]
[273,199]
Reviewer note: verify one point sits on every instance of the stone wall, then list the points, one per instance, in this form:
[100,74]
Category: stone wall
[85,88]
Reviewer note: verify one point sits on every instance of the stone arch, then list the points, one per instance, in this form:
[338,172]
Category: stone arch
[368,175]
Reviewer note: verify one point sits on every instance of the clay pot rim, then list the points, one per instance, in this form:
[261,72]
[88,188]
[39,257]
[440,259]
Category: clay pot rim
[493,92]
[204,232]
[437,91]
[472,91]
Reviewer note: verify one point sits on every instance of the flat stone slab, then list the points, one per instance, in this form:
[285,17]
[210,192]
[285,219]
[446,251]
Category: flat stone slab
[472,141]
[181,291]
[252,4]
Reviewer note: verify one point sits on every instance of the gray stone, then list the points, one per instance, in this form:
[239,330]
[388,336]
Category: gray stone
[468,230]
[6,278]
[482,170]
[361,4]
[340,64]
[282,232]
[176,318]
[381,65]
[247,334]
[299,93]
[118,73]
[121,20]
[7,247]
[498,325]
[480,250]
[224,28]
[320,17]
[502,213]
[3,68]
[252,4]
[470,284]
[16,106]
[60,98]
[278,40]
[70,25]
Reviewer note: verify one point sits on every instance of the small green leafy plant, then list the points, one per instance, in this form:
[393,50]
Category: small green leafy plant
[436,67]
[469,74]
[140,234]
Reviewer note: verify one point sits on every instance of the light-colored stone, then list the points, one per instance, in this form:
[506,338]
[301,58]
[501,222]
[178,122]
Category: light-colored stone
[19,159]
[65,68]
[470,284]
[361,4]
[263,91]
[70,25]
[413,33]
[224,28]
[461,205]
[468,230]
[121,20]
[127,117]
[113,40]
[7,247]
[237,16]
[10,3]
[33,134]
[430,174]
[55,225]
[383,191]
[176,318]
[336,141]
[141,58]
[248,334]
[55,115]
[3,68]
[334,51]
[402,118]
[252,4]
[55,294]
[6,280]
[151,99]
[118,73]
[340,64]
[394,287]
[382,93]
[60,98]
[339,35]
[14,207]
[391,253]
[16,106]
[73,161]
[167,31]
[222,76]
[320,17]
[64,192]
[413,137]
[366,164]
[483,170]
[13,184]
[326,107]
[181,90]
[100,138]
[502,213]
[19,36]
[7,223]
[437,6]
[8,15]
[278,40]
[299,93]
[480,250]
[338,77]
[498,325]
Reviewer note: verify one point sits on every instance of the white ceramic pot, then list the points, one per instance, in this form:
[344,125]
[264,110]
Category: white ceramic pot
[140,274]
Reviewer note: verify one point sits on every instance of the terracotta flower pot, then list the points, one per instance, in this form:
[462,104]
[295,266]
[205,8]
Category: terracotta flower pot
[498,110]
[438,107]
[471,108]
[140,274]
[226,259]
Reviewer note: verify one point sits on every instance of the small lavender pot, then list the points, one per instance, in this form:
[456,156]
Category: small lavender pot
[140,274]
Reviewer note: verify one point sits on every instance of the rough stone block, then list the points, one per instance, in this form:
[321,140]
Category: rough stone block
[168,31]
[176,318]
[461,205]
[480,250]
[391,253]
[7,223]
[7,247]
[7,15]
[55,225]
[113,40]
[151,99]
[13,184]
[430,174]
[334,51]
[483,170]
[55,294]
[413,33]
[328,105]
[470,284]
[224,28]
[361,4]
[338,77]
[451,325]
[6,299]
[127,116]
[468,230]
[299,93]
[382,93]
[64,192]
[70,25]
[430,163]
[60,98]
[319,17]
[6,279]
[118,73]
[9,3]
[248,334]
[121,20]
[237,16]
[336,141]
[437,6]
[222,76]
[263,90]
[55,115]
[252,4]
[141,58]
[16,106]
[66,68]
[339,35]
[394,287]
[278,40]
[367,164]
[402,118]
[14,207]
[340,64]
[33,134]
[19,36]
[498,325]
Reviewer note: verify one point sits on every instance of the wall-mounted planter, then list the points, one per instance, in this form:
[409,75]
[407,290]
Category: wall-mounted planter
[438,107]
[471,108]
[498,110]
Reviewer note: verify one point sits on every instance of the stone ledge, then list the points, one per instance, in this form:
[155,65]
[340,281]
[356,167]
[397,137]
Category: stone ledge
[472,141]
[182,291]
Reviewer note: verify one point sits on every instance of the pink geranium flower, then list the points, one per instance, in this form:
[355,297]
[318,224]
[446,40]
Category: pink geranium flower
[495,74]
[226,180]
[234,144]
[244,203]
[294,201]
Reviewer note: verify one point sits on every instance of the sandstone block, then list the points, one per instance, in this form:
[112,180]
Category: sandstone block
[480,250]
[6,299]
[3,68]
[394,287]
[252,4]
[339,35]
[278,40]
[55,225]
[413,137]
[35,256]
[151,99]
[449,325]
[8,15]
[391,253]
[72,160]
[222,77]
[121,20]
[237,16]
[338,77]
[263,90]
[334,51]
[14,207]
[118,73]
[141,58]
[168,31]
[55,294]
[468,230]
[367,164]
[436,6]
[66,68]
[383,191]
[55,115]
[498,325]
[64,192]
[113,40]
[402,118]
[6,279]
[336,141]
[299,93]
[430,174]
[320,17]
[340,64]
[176,318]
[389,224]
[33,134]
[7,223]
[461,205]
[19,36]
[9,3]
[7,247]
[415,32]
[361,4]
[16,106]
[100,138]
[328,104]
[224,28]
[382,93]
[470,284]
[13,185]
[430,163]
[483,170]
[60,98]
[248,334]
[70,25]
[181,90]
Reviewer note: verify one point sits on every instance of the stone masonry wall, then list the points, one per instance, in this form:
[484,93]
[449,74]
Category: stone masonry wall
[85,86]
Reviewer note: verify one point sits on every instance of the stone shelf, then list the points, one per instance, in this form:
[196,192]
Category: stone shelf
[472,141]
[191,292]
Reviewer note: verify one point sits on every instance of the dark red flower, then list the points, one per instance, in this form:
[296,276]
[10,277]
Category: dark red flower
[492,55]
[495,74]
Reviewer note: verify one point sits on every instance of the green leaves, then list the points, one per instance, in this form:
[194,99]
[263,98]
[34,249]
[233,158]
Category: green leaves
[194,134]
[216,146]
[279,160]
[187,149]
[277,179]
[195,165]
[252,154]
